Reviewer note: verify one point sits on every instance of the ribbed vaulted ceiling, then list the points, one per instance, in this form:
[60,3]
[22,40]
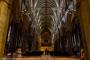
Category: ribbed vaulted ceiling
[46,12]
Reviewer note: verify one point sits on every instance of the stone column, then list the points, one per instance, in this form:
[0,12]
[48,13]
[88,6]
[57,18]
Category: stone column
[85,24]
[4,21]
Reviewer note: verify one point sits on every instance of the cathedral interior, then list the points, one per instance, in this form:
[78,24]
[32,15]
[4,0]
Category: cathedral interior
[45,29]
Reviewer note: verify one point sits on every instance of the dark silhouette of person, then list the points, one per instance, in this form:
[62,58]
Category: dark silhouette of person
[46,51]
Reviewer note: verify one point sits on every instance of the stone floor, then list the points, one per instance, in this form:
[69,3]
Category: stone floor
[48,57]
